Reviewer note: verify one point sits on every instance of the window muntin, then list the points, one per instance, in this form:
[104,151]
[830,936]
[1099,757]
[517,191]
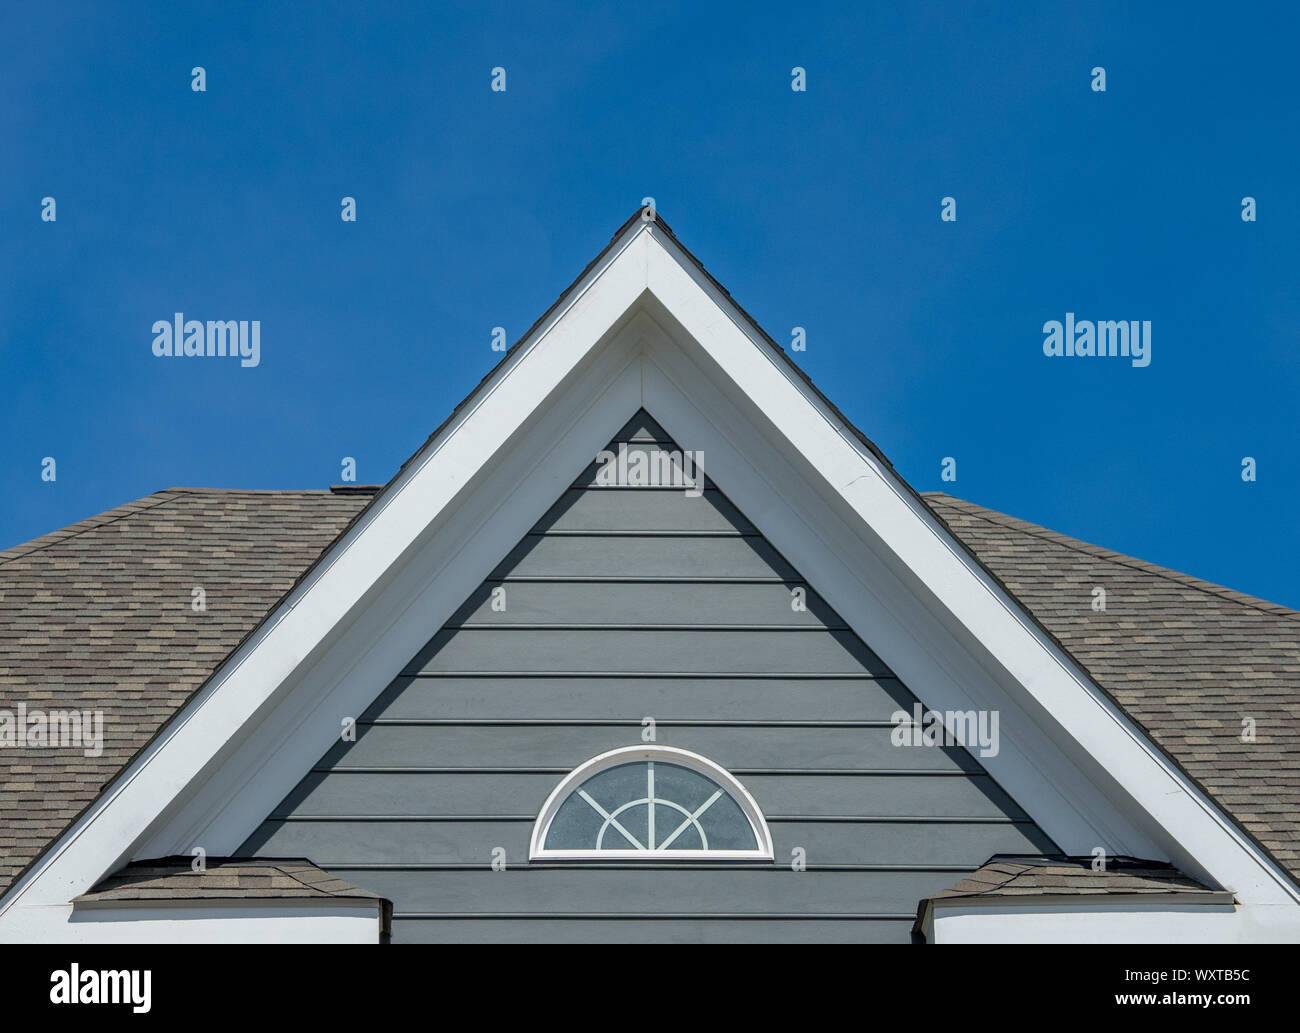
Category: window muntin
[639,802]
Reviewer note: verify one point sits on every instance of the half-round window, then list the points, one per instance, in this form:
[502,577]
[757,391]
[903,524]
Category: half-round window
[641,802]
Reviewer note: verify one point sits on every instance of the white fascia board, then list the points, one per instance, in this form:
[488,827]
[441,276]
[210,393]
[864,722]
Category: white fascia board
[396,624]
[290,921]
[148,804]
[1109,920]
[1157,803]
[866,592]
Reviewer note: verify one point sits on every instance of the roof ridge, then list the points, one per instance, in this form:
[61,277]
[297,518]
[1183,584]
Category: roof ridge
[280,866]
[1122,559]
[258,491]
[1007,877]
[137,506]
[92,523]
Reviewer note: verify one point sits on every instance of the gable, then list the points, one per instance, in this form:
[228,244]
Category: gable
[645,326]
[623,605]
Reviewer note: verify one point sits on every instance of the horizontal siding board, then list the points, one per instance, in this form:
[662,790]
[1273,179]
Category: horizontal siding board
[639,891]
[858,843]
[625,603]
[598,509]
[925,796]
[624,930]
[336,793]
[567,746]
[644,556]
[906,843]
[600,651]
[613,604]
[759,699]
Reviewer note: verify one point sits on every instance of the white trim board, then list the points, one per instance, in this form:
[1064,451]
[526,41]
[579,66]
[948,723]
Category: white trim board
[1151,800]
[1104,919]
[645,327]
[192,758]
[234,921]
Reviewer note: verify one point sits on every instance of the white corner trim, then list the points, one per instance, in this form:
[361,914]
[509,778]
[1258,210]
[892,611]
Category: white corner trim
[1105,919]
[209,921]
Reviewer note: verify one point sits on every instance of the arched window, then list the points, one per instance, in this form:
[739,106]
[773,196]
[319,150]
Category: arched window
[642,802]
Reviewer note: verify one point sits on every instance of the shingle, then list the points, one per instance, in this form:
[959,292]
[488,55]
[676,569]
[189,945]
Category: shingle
[1186,659]
[173,878]
[1022,876]
[99,617]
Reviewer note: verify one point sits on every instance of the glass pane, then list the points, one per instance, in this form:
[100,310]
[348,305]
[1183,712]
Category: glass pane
[575,827]
[669,821]
[611,811]
[726,826]
[682,785]
[616,786]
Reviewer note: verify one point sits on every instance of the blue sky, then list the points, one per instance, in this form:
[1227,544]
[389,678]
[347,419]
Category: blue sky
[819,209]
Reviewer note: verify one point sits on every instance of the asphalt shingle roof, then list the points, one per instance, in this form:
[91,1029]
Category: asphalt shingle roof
[1006,879]
[1016,876]
[1186,659]
[174,879]
[99,616]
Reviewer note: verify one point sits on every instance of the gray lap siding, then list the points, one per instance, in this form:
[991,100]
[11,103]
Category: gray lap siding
[625,604]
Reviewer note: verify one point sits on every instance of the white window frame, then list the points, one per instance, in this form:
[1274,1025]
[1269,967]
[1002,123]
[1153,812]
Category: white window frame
[669,755]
